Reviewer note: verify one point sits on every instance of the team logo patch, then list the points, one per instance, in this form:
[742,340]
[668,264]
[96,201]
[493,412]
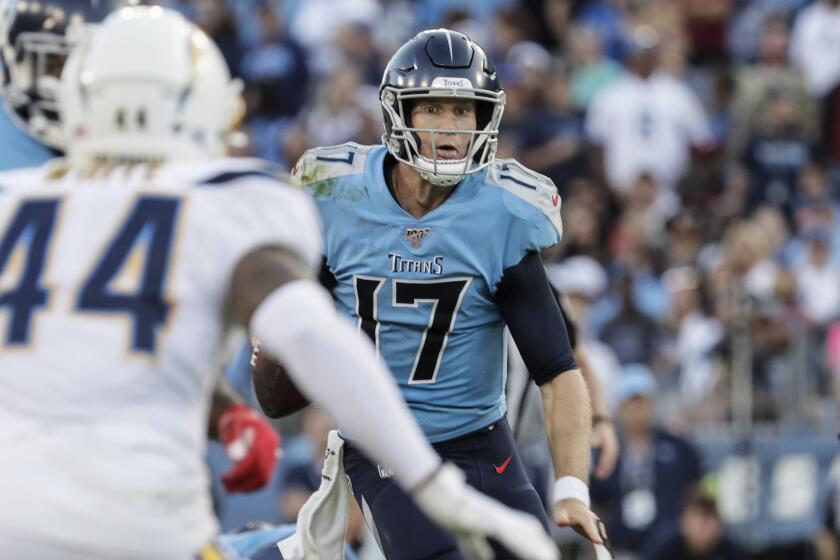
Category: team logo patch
[415,236]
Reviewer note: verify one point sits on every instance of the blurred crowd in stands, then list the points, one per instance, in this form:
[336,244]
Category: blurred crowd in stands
[696,147]
[695,143]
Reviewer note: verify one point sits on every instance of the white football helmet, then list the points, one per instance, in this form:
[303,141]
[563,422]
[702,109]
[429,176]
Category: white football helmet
[148,85]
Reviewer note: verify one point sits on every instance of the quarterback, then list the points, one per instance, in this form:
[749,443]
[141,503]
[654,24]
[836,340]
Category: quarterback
[432,247]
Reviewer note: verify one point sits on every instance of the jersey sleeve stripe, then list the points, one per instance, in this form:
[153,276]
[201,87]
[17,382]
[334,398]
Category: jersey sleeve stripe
[228,177]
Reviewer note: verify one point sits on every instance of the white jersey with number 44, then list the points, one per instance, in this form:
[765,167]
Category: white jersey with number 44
[113,284]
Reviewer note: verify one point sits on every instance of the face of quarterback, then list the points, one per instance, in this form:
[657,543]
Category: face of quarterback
[446,114]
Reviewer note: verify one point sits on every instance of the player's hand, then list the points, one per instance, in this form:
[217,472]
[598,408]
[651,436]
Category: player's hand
[471,517]
[574,513]
[605,439]
[253,446]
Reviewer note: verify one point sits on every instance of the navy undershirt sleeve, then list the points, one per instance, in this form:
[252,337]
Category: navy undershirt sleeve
[326,278]
[571,327]
[530,310]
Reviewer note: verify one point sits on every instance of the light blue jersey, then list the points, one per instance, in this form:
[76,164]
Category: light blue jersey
[18,148]
[424,289]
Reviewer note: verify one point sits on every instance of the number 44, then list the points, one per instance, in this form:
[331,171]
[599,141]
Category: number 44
[149,227]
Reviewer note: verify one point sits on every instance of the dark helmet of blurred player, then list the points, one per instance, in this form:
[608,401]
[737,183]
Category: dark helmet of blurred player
[440,63]
[36,37]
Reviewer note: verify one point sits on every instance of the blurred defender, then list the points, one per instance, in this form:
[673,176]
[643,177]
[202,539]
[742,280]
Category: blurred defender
[121,269]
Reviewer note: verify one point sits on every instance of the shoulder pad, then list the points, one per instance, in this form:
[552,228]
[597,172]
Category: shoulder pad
[538,190]
[319,164]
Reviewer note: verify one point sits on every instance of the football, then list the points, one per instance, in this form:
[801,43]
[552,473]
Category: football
[276,392]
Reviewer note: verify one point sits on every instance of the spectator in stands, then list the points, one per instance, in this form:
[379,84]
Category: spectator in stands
[815,45]
[827,541]
[509,27]
[356,45]
[817,206]
[609,19]
[706,27]
[432,13]
[651,205]
[697,335]
[815,49]
[585,219]
[314,24]
[698,536]
[217,20]
[554,146]
[685,239]
[832,351]
[632,335]
[645,122]
[275,71]
[776,155]
[749,261]
[521,118]
[593,71]
[818,280]
[772,72]
[656,469]
[336,117]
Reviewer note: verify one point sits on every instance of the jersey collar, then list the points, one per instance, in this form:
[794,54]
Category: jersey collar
[466,190]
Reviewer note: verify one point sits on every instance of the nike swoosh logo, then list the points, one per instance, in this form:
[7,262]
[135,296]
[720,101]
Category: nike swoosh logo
[501,468]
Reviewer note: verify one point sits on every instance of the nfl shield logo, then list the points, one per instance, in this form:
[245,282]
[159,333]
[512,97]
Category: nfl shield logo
[415,235]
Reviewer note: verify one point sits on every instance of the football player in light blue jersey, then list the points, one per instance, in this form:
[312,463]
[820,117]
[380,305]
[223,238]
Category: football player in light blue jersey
[33,46]
[19,149]
[432,246]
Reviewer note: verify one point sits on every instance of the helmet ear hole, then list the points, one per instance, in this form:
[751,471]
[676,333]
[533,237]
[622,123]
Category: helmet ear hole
[119,119]
[141,118]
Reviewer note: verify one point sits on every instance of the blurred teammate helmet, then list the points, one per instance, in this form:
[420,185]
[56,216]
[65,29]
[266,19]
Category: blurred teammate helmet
[148,85]
[441,63]
[36,37]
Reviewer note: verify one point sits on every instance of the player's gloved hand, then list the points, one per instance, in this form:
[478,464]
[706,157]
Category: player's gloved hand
[252,444]
[471,517]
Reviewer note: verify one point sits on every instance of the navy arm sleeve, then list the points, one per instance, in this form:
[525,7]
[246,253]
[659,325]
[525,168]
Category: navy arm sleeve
[531,312]
[571,327]
[326,278]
